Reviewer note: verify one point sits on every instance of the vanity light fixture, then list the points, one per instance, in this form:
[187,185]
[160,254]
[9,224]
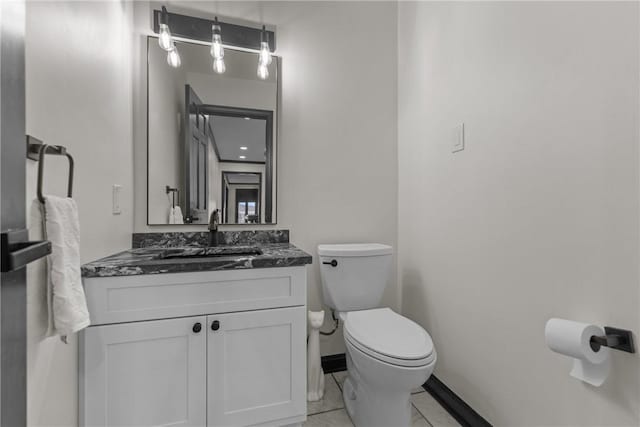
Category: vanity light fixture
[217,51]
[242,157]
[243,148]
[209,31]
[264,57]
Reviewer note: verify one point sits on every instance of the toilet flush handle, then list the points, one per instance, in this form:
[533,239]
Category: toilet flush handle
[332,263]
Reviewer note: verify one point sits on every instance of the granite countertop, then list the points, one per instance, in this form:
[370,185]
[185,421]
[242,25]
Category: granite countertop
[158,260]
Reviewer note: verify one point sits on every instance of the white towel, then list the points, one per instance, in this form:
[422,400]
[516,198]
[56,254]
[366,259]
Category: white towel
[172,218]
[177,216]
[66,302]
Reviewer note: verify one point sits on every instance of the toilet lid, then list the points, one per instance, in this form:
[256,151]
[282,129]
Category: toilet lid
[387,333]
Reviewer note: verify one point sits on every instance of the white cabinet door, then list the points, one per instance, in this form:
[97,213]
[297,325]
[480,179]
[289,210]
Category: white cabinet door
[144,374]
[256,366]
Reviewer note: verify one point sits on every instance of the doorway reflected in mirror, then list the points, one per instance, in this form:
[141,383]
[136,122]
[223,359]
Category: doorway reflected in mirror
[242,197]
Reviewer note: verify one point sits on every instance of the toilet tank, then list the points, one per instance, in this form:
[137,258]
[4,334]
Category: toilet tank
[354,275]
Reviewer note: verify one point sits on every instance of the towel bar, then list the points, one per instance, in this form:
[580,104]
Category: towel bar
[36,150]
[173,192]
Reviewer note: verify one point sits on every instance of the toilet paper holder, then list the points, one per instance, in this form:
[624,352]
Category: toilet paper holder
[617,339]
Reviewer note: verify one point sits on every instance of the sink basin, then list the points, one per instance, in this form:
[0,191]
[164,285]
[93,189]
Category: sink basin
[212,251]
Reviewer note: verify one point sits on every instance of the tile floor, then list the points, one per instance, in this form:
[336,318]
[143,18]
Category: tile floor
[330,412]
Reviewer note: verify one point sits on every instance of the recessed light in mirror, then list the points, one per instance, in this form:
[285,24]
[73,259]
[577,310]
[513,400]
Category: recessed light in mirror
[244,148]
[242,157]
[247,118]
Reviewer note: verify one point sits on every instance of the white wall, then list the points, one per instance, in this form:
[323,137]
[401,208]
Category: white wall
[78,93]
[337,173]
[538,216]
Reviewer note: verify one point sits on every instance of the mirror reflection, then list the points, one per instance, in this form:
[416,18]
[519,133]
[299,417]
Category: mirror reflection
[211,138]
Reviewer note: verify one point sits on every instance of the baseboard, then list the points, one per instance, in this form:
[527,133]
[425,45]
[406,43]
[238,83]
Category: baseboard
[454,405]
[450,401]
[334,363]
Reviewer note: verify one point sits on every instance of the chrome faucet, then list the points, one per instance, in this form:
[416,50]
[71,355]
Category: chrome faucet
[214,221]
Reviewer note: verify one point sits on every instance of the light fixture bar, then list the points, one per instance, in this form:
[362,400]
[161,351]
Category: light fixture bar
[200,29]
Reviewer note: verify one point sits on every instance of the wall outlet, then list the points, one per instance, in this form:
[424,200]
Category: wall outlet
[115,200]
[458,142]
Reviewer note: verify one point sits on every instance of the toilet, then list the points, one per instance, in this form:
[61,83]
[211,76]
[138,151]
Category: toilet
[388,355]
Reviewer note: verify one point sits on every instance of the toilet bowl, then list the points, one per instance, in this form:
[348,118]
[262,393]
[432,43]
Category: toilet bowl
[387,354]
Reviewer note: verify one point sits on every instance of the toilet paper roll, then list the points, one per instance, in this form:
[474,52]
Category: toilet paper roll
[572,339]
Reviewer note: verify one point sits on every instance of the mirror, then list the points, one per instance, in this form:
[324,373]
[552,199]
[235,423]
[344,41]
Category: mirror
[211,138]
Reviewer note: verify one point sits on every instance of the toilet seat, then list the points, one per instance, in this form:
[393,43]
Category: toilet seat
[389,337]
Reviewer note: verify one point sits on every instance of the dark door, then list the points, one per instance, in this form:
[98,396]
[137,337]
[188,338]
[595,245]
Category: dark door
[247,206]
[196,159]
[13,303]
[225,204]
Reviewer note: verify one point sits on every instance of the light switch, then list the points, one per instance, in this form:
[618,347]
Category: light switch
[458,142]
[117,189]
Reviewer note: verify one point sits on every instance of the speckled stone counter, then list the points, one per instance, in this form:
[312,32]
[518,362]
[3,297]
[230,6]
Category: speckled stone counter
[156,260]
[177,252]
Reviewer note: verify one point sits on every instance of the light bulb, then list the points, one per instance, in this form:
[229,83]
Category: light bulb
[263,71]
[173,58]
[218,65]
[217,51]
[265,53]
[164,40]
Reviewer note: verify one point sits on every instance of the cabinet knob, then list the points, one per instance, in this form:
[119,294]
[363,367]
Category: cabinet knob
[197,327]
[215,325]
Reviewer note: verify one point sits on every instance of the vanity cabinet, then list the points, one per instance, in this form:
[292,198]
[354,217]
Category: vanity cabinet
[236,356]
